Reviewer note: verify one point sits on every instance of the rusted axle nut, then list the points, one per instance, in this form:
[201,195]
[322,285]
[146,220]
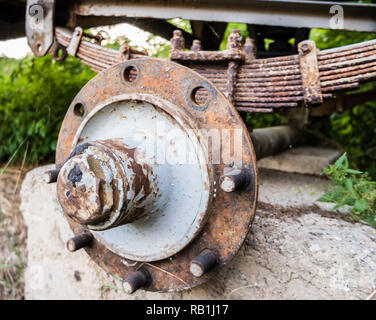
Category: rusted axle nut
[82,240]
[135,281]
[233,179]
[104,187]
[203,263]
[50,176]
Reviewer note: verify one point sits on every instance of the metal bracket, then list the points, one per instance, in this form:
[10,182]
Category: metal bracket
[234,42]
[57,51]
[233,55]
[40,25]
[125,52]
[75,41]
[310,72]
[177,52]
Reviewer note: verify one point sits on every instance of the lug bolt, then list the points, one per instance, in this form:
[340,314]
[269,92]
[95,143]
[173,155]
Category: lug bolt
[177,41]
[203,263]
[250,49]
[196,45]
[135,281]
[233,179]
[82,240]
[50,176]
[234,40]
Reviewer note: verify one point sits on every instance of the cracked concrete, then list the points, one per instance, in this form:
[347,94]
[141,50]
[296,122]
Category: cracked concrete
[297,249]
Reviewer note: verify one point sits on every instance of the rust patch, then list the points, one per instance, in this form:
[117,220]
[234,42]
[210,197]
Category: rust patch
[229,216]
[310,72]
[261,85]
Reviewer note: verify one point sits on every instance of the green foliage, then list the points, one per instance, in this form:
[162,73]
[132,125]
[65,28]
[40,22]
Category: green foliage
[261,120]
[161,48]
[326,39]
[353,130]
[182,24]
[34,97]
[353,188]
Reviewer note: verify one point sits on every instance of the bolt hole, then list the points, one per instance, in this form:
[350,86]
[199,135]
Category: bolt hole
[79,110]
[130,74]
[200,96]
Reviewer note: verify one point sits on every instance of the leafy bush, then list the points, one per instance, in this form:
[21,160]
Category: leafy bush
[326,39]
[353,130]
[353,188]
[34,96]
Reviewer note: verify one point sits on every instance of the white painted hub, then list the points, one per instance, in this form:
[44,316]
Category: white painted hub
[177,162]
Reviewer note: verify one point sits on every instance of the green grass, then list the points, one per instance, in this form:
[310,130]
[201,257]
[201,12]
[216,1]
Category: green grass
[6,279]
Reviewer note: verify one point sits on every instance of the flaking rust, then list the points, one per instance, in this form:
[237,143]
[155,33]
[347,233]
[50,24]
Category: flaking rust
[310,72]
[225,220]
[97,191]
[257,85]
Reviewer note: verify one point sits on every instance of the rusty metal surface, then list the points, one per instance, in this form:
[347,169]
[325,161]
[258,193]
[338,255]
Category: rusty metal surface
[269,141]
[310,72]
[234,43]
[94,55]
[233,52]
[262,85]
[100,192]
[207,56]
[168,224]
[75,41]
[229,215]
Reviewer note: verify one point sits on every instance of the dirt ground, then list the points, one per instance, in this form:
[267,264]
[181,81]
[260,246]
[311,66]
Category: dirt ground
[13,232]
[12,236]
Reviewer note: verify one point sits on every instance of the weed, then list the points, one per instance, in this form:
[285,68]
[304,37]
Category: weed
[7,279]
[353,188]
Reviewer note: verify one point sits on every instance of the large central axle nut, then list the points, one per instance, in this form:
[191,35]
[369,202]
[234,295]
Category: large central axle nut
[104,187]
[157,175]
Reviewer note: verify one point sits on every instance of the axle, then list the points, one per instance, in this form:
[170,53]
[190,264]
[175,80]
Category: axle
[269,141]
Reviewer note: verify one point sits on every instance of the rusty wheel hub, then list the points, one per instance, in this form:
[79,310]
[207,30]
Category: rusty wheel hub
[160,190]
[104,187]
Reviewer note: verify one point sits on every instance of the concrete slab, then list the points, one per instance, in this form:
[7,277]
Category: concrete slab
[295,250]
[304,160]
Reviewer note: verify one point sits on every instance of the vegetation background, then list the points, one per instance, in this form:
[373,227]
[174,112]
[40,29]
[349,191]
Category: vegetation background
[36,92]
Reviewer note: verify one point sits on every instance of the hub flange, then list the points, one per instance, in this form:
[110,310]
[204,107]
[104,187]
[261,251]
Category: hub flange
[178,214]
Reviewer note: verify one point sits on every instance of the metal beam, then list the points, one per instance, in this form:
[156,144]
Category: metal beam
[309,14]
[158,27]
[270,141]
